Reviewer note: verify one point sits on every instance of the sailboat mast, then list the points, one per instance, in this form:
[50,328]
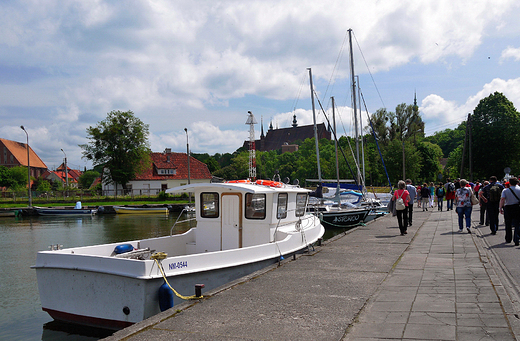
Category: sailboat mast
[362,135]
[315,126]
[335,141]
[354,92]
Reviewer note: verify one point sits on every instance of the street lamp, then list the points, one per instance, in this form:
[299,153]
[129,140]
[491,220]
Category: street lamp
[28,168]
[66,172]
[188,155]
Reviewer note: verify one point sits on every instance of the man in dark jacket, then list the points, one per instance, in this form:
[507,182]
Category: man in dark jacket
[413,193]
[492,194]
[484,218]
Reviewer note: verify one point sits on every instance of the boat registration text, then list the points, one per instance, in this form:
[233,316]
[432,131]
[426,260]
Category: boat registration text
[178,265]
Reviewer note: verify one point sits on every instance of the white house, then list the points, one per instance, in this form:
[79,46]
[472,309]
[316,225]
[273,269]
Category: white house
[167,170]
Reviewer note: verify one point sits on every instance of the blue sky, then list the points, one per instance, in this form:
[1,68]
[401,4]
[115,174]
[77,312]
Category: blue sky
[202,65]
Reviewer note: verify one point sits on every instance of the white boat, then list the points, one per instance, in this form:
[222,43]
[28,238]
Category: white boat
[241,227]
[140,210]
[64,211]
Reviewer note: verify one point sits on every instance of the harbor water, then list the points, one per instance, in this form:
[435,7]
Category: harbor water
[21,316]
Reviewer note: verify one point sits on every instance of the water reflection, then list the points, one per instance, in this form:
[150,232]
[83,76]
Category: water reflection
[53,331]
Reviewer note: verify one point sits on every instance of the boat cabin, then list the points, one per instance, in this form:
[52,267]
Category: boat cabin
[237,215]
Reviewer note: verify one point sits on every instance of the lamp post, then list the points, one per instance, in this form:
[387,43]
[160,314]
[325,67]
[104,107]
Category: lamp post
[66,173]
[28,168]
[188,155]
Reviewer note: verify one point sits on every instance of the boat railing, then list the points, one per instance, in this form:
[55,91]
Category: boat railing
[190,211]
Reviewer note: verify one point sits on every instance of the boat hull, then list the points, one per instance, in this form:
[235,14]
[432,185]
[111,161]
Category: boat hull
[114,302]
[343,218]
[141,210]
[65,212]
[113,293]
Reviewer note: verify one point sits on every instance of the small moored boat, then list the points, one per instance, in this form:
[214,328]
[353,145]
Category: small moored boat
[78,210]
[140,210]
[241,228]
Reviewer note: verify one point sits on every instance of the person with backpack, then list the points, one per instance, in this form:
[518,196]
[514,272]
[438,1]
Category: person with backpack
[439,193]
[464,206]
[450,194]
[492,194]
[509,206]
[402,198]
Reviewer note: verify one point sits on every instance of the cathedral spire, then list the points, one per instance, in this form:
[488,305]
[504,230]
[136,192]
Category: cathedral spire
[262,128]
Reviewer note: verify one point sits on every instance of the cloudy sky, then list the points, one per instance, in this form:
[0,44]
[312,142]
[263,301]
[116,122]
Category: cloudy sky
[202,65]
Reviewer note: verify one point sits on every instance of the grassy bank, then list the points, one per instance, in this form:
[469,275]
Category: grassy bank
[95,203]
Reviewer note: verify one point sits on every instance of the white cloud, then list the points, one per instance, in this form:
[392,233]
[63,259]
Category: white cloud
[201,65]
[510,52]
[440,114]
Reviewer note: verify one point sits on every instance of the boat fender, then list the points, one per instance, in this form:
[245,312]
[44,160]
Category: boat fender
[123,248]
[165,297]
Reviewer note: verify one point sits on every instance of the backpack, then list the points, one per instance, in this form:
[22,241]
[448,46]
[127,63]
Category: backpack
[399,203]
[440,192]
[451,187]
[494,193]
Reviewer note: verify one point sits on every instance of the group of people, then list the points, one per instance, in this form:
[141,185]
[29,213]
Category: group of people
[461,194]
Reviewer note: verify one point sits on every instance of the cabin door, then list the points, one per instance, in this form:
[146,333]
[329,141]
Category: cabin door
[231,229]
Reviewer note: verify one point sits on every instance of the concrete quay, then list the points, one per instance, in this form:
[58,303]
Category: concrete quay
[370,283]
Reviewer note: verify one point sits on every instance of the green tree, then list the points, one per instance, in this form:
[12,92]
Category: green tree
[393,157]
[495,133]
[379,121]
[430,157]
[452,169]
[17,178]
[449,139]
[212,164]
[43,186]
[4,177]
[120,144]
[405,123]
[87,178]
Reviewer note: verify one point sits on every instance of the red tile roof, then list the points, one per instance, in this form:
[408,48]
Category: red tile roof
[60,175]
[74,173]
[19,151]
[95,182]
[178,162]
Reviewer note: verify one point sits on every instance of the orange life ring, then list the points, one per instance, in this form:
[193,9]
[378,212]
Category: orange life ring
[269,183]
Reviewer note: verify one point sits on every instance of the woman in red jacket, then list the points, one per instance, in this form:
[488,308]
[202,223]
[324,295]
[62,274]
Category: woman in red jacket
[402,214]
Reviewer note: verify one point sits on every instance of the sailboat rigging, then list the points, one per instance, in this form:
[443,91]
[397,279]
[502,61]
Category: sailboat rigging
[333,214]
[359,178]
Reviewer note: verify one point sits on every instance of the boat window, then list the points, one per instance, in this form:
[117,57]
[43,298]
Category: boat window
[281,212]
[301,202]
[255,206]
[209,205]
